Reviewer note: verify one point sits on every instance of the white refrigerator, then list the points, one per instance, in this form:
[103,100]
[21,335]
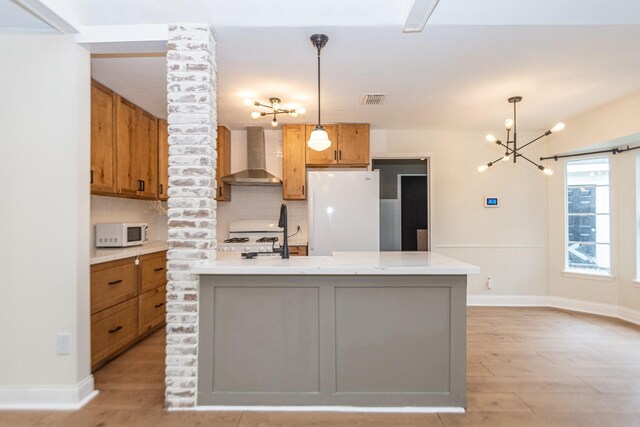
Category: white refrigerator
[344,211]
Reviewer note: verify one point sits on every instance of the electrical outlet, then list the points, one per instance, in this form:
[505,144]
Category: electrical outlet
[489,282]
[63,344]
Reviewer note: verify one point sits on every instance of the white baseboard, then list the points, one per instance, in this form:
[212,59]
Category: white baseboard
[370,409]
[624,313]
[48,397]
[507,300]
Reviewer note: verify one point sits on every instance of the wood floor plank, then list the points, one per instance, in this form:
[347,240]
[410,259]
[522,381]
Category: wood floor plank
[495,402]
[486,384]
[581,402]
[496,419]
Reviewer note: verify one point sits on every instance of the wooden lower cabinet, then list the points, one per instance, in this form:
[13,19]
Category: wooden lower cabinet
[111,284]
[297,250]
[113,329]
[152,309]
[128,301]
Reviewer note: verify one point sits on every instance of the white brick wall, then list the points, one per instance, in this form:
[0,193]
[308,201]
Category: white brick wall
[191,85]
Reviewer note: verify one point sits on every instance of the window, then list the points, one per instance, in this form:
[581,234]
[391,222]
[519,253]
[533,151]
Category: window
[588,225]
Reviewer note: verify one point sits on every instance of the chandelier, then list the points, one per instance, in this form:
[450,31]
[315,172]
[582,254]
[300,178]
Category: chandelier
[275,107]
[511,145]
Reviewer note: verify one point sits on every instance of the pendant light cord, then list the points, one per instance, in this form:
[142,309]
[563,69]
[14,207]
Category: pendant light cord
[319,48]
[515,133]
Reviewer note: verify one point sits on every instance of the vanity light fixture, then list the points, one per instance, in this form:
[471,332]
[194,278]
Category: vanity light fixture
[319,139]
[275,107]
[511,146]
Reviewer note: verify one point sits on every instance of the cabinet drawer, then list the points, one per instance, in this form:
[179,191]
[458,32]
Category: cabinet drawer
[112,283]
[113,329]
[153,271]
[152,308]
[298,250]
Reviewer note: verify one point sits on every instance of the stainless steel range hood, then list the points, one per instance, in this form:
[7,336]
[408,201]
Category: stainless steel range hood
[256,173]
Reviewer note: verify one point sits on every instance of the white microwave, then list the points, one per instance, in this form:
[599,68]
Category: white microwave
[121,235]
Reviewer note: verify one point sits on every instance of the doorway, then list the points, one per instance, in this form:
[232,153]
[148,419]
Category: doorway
[404,204]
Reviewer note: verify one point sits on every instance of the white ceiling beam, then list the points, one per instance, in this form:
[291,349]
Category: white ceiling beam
[123,39]
[53,18]
[418,15]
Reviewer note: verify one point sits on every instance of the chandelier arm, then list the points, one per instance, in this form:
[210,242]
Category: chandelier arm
[533,140]
[529,160]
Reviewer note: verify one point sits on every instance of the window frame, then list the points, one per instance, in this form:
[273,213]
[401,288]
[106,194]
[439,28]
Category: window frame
[586,273]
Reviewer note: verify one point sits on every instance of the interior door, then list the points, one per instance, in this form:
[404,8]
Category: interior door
[414,210]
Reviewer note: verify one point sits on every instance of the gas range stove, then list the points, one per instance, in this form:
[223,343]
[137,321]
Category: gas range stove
[257,235]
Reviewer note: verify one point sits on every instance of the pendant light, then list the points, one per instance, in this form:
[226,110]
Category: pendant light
[319,139]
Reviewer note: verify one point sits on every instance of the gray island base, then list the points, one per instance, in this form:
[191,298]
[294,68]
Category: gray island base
[356,330]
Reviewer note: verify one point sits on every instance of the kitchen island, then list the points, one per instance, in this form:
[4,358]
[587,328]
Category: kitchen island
[357,329]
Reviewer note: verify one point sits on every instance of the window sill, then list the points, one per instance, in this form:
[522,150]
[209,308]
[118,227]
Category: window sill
[589,276]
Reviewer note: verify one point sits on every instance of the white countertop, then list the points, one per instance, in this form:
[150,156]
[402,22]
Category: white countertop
[341,263]
[100,255]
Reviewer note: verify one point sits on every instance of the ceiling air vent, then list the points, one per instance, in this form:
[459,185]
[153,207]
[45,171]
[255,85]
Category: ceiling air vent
[373,98]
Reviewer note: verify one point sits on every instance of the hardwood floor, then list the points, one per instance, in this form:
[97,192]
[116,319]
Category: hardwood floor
[526,367]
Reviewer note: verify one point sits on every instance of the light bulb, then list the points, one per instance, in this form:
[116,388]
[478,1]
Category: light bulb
[255,115]
[508,124]
[547,171]
[491,138]
[482,168]
[248,101]
[558,127]
[275,105]
[301,110]
[505,158]
[274,122]
[319,139]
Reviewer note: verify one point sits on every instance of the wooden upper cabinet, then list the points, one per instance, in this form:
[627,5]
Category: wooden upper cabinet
[353,144]
[324,157]
[103,139]
[147,155]
[223,168]
[294,152]
[126,147]
[163,160]
[349,146]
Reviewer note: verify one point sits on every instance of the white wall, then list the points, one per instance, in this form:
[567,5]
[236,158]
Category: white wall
[508,243]
[44,256]
[609,125]
[106,209]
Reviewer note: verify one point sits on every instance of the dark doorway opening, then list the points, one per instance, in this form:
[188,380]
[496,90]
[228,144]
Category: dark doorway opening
[414,212]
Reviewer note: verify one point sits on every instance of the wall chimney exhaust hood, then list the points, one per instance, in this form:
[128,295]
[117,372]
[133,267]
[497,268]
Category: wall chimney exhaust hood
[256,173]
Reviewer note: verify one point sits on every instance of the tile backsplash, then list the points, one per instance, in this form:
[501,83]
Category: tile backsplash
[106,209]
[261,203]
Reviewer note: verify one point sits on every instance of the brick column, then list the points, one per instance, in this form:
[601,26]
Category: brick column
[191,85]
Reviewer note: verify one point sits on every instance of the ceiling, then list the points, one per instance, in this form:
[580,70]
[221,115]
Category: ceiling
[563,56]
[14,17]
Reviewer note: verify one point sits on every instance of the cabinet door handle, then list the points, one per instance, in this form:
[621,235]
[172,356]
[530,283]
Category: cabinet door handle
[303,189]
[161,189]
[116,282]
[159,305]
[159,269]
[139,185]
[339,154]
[91,176]
[142,189]
[335,155]
[113,331]
[220,191]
